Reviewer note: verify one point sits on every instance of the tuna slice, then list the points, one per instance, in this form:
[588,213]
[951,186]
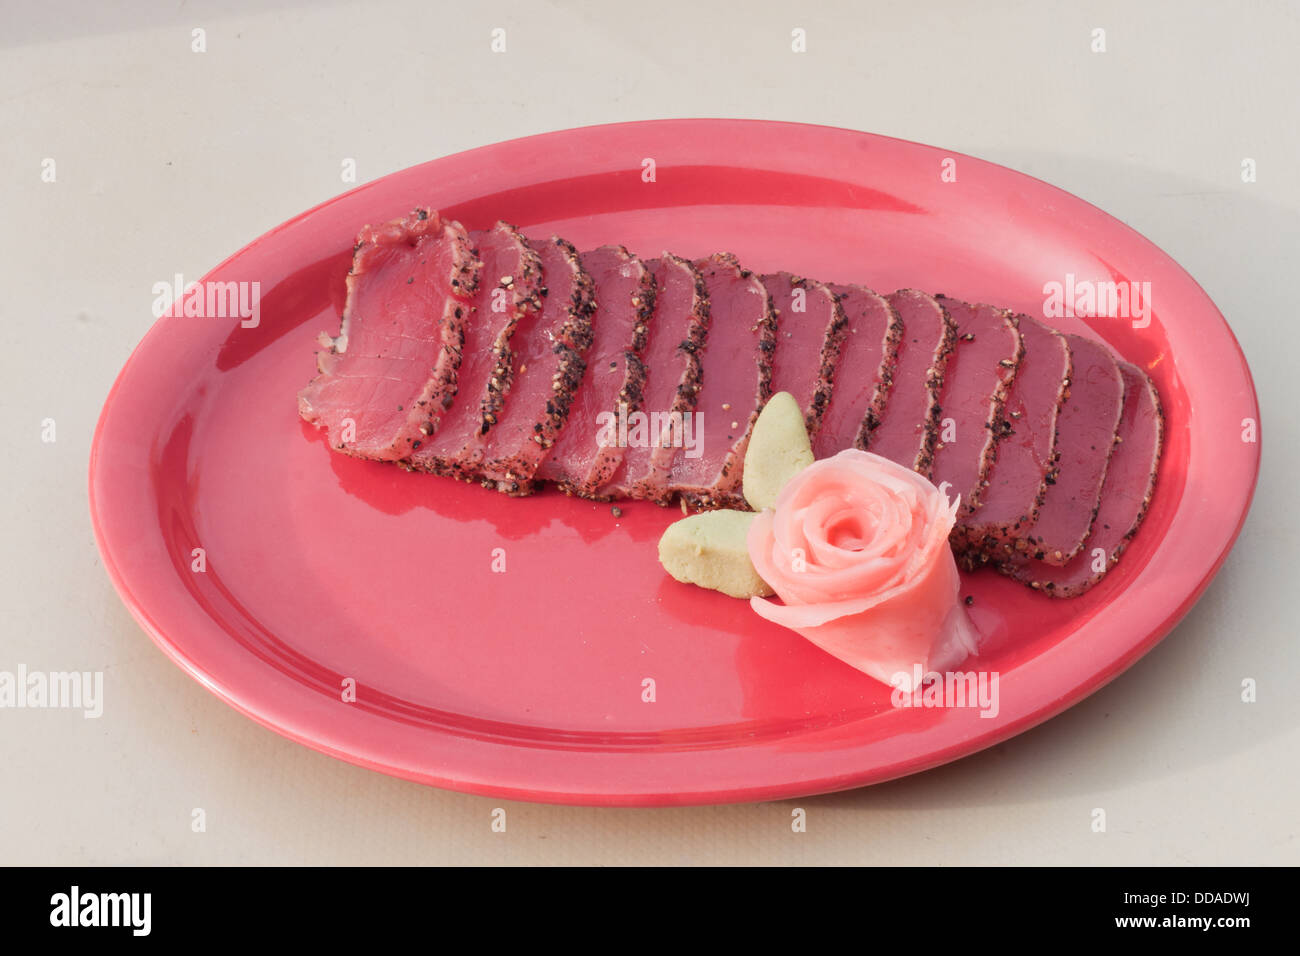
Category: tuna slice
[810,330]
[863,373]
[1085,436]
[980,370]
[736,381]
[385,381]
[1026,455]
[510,289]
[672,362]
[587,453]
[909,427]
[548,347]
[1126,494]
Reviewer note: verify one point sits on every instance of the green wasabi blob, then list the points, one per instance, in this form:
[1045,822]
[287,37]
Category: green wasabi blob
[778,450]
[709,549]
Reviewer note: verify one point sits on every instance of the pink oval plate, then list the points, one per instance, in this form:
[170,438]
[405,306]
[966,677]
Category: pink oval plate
[323,572]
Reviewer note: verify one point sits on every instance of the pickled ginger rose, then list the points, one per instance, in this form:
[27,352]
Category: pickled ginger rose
[856,547]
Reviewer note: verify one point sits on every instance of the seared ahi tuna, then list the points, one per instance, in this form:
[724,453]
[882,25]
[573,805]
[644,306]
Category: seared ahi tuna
[672,362]
[588,452]
[980,370]
[736,381]
[864,371]
[1126,494]
[1026,455]
[486,356]
[548,347]
[810,329]
[511,287]
[909,426]
[385,381]
[1085,436]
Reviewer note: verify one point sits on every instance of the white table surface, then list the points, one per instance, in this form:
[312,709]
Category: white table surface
[168,160]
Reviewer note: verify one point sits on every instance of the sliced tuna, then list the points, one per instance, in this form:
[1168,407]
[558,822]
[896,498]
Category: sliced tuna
[810,331]
[909,426]
[1126,494]
[736,381]
[981,369]
[864,371]
[484,356]
[510,289]
[1085,436]
[1026,455]
[385,381]
[587,453]
[548,346]
[672,362]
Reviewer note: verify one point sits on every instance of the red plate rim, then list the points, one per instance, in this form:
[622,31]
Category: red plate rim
[1198,543]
